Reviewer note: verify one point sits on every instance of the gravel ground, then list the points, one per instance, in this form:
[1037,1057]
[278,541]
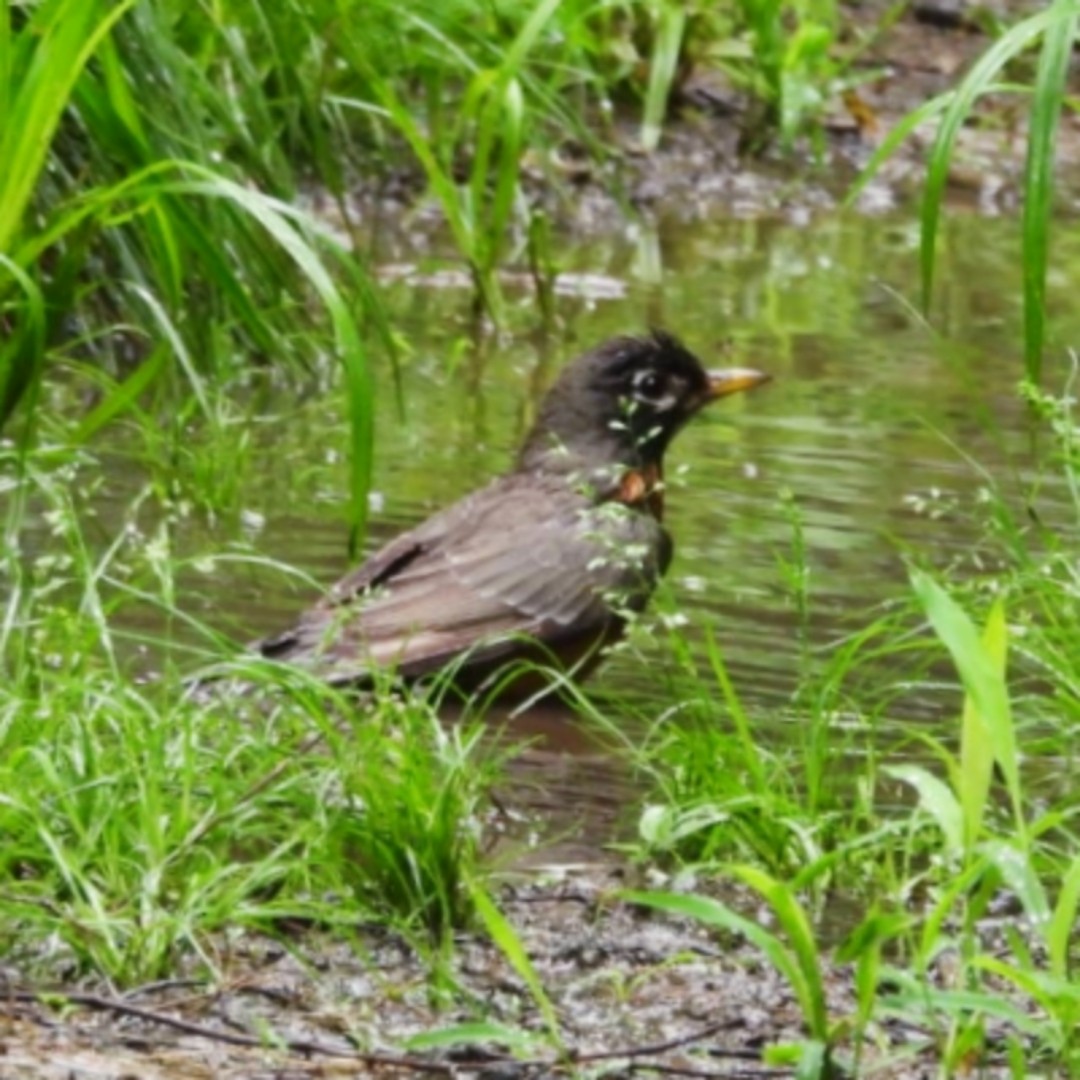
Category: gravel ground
[635,992]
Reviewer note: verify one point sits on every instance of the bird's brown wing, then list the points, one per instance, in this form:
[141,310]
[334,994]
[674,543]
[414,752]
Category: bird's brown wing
[523,556]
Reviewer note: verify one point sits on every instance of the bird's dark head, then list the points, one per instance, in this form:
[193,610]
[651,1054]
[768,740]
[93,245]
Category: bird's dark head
[622,403]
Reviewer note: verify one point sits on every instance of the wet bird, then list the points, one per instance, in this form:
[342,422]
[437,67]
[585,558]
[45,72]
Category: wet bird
[548,561]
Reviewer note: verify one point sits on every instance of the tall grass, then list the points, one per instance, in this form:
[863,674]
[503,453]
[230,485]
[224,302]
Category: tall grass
[123,259]
[492,131]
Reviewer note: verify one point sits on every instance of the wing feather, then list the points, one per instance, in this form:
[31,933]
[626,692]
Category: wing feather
[522,556]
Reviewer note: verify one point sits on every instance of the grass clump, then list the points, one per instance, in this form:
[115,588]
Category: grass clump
[132,255]
[141,825]
[407,826]
[143,818]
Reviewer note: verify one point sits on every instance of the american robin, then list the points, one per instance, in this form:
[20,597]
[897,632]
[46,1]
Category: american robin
[546,562]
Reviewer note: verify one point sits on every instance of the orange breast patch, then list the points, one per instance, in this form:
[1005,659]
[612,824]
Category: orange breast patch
[644,488]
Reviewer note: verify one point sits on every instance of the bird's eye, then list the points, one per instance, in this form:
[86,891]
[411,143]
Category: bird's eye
[648,385]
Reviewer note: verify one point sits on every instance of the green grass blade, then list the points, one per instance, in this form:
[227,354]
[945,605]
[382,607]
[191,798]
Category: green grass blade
[146,188]
[813,1062]
[67,36]
[662,67]
[529,35]
[976,735]
[439,178]
[1059,933]
[511,142]
[936,798]
[1039,176]
[1052,994]
[983,681]
[276,219]
[502,933]
[960,1005]
[714,913]
[1018,872]
[800,935]
[22,352]
[178,347]
[952,894]
[7,83]
[480,1032]
[977,81]
[751,751]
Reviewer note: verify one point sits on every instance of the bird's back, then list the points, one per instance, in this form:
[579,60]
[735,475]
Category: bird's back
[529,558]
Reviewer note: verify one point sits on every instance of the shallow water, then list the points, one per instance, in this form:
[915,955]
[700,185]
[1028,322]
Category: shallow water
[880,430]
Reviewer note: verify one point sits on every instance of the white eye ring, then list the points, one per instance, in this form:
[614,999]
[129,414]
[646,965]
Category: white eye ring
[649,389]
[648,384]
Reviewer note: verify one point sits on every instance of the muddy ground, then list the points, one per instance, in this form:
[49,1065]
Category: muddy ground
[634,992]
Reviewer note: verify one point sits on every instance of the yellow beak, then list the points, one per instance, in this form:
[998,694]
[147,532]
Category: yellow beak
[733,380]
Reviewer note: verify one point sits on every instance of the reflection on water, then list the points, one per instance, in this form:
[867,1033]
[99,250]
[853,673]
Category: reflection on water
[868,435]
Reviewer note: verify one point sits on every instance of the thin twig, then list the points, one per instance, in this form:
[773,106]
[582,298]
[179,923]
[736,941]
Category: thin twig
[161,986]
[705,1074]
[670,1044]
